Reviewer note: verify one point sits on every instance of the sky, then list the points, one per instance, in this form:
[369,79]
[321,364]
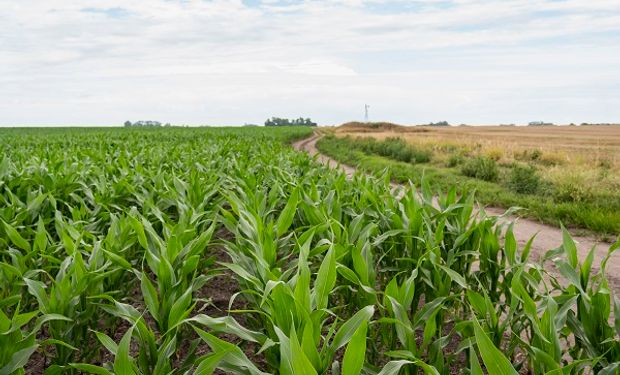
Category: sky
[216,62]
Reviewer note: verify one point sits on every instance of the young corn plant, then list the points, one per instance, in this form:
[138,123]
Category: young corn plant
[260,236]
[152,352]
[416,331]
[72,293]
[594,319]
[177,264]
[295,314]
[18,338]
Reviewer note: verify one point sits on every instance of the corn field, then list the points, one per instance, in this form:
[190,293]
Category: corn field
[223,250]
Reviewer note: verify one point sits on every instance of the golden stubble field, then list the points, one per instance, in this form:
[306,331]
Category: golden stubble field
[576,144]
[587,155]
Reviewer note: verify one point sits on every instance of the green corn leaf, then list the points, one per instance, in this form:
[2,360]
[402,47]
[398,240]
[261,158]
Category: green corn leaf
[208,364]
[107,342]
[18,360]
[37,289]
[139,230]
[309,345]
[57,343]
[119,260]
[570,249]
[454,276]
[300,363]
[227,324]
[611,369]
[286,359]
[475,368]
[236,362]
[325,280]
[350,275]
[617,315]
[16,238]
[542,357]
[586,268]
[149,294]
[525,253]
[302,288]
[5,166]
[494,360]
[477,302]
[568,369]
[40,239]
[355,354]
[394,367]
[90,369]
[348,329]
[123,363]
[35,204]
[41,320]
[288,213]
[180,309]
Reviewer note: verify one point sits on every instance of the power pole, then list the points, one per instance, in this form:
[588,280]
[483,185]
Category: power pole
[366,107]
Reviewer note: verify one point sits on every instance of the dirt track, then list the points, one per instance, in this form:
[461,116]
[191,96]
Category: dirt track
[547,237]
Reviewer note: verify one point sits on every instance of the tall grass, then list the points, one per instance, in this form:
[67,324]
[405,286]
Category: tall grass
[549,196]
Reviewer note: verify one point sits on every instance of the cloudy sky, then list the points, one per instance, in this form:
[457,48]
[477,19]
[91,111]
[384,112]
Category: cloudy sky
[66,62]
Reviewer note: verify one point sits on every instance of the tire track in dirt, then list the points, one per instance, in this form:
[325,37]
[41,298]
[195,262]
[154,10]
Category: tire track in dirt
[547,236]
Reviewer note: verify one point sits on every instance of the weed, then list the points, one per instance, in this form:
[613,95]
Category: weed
[481,168]
[494,153]
[455,160]
[523,179]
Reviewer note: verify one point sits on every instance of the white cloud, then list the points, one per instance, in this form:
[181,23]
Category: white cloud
[226,62]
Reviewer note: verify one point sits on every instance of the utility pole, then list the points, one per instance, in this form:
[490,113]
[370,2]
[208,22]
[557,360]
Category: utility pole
[366,107]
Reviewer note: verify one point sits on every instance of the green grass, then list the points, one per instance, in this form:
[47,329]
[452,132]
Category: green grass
[600,214]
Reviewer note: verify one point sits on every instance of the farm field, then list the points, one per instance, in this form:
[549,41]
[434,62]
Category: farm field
[567,174]
[223,250]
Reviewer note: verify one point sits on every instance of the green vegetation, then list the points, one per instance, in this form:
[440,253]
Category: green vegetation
[222,250]
[394,148]
[564,201]
[149,123]
[276,121]
[439,123]
[482,168]
[524,179]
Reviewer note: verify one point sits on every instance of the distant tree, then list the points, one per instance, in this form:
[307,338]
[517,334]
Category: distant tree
[440,123]
[540,123]
[309,122]
[276,121]
[145,123]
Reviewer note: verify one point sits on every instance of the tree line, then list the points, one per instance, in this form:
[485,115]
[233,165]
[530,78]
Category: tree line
[276,121]
[144,123]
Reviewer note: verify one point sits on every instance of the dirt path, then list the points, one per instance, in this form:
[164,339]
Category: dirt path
[547,236]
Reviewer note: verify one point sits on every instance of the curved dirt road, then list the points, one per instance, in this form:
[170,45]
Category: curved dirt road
[547,236]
